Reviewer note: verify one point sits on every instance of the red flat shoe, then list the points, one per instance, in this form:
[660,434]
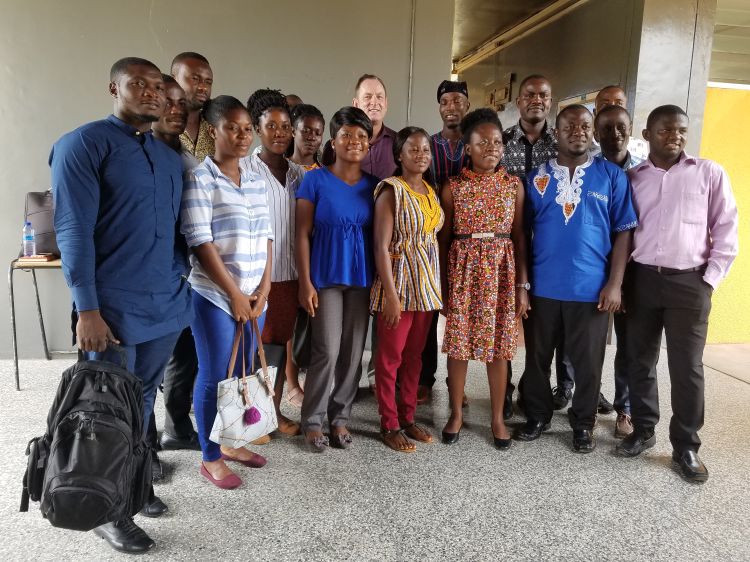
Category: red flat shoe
[229,483]
[256,461]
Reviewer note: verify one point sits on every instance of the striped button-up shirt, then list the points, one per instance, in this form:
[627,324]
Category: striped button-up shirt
[235,219]
[687,216]
[281,205]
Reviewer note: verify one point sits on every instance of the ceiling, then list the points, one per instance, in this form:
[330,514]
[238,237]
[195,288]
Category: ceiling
[476,21]
[730,56]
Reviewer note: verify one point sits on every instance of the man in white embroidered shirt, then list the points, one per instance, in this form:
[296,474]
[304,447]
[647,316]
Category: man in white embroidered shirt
[580,216]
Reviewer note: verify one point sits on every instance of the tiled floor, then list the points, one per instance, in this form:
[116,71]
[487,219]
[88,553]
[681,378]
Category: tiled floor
[538,501]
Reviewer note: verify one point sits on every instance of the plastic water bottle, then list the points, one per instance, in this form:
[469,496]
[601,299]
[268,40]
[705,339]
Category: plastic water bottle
[29,243]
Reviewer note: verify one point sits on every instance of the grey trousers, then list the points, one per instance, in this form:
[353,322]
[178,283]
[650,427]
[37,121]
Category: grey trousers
[339,329]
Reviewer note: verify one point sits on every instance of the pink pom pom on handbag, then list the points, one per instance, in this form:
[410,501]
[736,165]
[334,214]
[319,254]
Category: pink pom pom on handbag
[252,415]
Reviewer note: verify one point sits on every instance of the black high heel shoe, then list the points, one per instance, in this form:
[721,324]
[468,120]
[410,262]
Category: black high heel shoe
[502,444]
[451,438]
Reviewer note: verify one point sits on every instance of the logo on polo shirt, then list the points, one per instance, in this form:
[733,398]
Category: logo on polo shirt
[599,196]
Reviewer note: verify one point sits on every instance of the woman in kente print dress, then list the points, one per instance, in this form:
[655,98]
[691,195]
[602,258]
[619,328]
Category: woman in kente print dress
[483,262]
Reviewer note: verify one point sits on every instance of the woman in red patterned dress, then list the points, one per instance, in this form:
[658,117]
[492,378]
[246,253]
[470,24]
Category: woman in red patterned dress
[483,262]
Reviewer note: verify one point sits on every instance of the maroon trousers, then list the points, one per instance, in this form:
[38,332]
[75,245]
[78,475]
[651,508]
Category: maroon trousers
[399,354]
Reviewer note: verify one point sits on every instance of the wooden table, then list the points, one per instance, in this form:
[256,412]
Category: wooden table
[28,266]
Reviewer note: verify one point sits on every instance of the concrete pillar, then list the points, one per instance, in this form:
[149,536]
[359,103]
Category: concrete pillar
[673,61]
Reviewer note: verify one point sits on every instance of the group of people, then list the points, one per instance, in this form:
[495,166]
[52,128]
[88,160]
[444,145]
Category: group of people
[555,227]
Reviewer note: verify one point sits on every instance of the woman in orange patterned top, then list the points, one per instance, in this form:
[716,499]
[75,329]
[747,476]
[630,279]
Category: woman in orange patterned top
[406,291]
[307,125]
[483,259]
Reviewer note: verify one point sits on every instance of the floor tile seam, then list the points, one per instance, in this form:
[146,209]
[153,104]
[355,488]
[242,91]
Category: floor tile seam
[725,555]
[648,497]
[730,375]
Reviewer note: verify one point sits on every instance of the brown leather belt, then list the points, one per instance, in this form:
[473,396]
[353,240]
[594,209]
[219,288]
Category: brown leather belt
[480,235]
[671,271]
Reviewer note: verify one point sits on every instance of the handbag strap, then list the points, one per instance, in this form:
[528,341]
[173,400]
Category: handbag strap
[237,346]
[239,341]
[262,356]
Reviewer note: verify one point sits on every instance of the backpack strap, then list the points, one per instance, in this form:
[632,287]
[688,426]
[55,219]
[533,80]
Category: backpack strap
[24,496]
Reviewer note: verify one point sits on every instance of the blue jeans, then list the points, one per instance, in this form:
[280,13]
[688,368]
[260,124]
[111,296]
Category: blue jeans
[213,330]
[146,361]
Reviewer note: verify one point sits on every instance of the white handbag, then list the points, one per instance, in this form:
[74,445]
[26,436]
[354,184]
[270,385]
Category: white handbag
[237,395]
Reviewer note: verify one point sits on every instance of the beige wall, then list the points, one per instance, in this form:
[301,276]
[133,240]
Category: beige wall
[55,58]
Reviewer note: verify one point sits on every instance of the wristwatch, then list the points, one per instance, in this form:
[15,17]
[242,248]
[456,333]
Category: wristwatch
[526,286]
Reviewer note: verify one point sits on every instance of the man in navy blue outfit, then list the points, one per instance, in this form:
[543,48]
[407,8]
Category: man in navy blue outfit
[117,197]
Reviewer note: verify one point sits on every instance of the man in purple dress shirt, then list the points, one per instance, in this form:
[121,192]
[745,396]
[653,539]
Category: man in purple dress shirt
[370,96]
[682,249]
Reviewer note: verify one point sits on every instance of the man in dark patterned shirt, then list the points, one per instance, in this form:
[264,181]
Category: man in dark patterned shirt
[530,142]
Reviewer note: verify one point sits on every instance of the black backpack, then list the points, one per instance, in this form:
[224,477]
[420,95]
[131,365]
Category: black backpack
[92,466]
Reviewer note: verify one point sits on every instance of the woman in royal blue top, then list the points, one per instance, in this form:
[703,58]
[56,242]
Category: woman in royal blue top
[335,268]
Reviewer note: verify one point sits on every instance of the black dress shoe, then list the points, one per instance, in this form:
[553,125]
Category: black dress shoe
[605,406]
[157,472]
[691,466]
[125,536]
[451,438]
[583,441]
[561,396]
[531,430]
[154,508]
[171,443]
[635,443]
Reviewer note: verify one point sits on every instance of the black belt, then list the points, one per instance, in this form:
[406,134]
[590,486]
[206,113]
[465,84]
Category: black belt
[480,235]
[671,271]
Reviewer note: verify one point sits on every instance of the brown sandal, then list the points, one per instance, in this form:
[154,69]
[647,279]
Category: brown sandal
[418,433]
[288,427]
[396,440]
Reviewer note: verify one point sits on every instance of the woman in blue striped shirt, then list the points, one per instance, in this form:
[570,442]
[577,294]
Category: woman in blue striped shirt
[225,221]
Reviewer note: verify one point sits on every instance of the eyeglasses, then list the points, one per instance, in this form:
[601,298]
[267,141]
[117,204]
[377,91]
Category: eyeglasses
[543,96]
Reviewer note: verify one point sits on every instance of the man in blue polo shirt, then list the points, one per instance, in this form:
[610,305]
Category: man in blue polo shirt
[580,215]
[117,197]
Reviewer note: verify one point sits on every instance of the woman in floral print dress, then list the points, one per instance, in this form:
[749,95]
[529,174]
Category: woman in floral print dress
[483,257]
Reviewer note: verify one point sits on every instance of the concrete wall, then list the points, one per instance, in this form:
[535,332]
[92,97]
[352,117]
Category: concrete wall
[725,123]
[55,59]
[587,49]
[675,54]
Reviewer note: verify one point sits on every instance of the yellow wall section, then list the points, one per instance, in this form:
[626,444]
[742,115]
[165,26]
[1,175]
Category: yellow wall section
[726,122]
